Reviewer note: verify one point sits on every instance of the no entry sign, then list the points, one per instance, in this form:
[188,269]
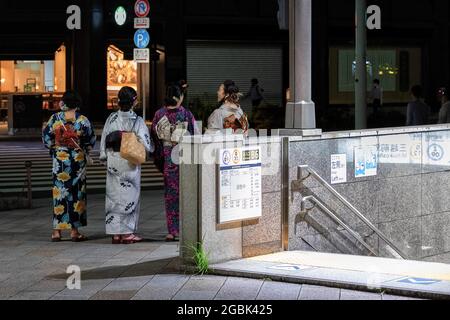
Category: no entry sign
[142,8]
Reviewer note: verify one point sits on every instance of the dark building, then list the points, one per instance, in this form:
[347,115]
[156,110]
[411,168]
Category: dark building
[207,41]
[180,31]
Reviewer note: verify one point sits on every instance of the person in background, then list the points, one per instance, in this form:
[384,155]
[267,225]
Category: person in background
[376,96]
[444,112]
[255,93]
[70,137]
[169,125]
[418,112]
[229,114]
[123,180]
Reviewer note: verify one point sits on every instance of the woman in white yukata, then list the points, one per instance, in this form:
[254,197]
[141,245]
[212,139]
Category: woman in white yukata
[123,183]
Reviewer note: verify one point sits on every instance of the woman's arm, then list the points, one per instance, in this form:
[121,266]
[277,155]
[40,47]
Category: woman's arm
[48,134]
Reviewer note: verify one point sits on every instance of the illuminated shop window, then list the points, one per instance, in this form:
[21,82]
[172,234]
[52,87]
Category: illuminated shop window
[120,73]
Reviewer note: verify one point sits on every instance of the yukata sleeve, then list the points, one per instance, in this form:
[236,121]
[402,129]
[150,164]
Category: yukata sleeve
[48,135]
[105,132]
[193,125]
[88,139]
[215,121]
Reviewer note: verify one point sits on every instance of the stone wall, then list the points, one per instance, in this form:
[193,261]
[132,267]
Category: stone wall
[408,199]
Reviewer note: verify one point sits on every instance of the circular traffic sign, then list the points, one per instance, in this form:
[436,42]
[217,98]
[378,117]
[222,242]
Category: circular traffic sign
[142,8]
[141,38]
[120,16]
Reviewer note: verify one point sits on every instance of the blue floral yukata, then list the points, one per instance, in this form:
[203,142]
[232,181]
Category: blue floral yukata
[63,137]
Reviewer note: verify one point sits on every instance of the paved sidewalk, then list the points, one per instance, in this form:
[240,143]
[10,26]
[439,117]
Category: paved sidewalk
[31,267]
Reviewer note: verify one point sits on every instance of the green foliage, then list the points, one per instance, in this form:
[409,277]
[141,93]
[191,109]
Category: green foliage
[200,258]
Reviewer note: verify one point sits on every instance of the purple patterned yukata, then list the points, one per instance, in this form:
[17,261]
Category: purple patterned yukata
[166,121]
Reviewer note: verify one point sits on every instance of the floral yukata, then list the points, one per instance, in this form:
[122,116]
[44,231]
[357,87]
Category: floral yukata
[64,137]
[166,123]
[123,180]
[229,117]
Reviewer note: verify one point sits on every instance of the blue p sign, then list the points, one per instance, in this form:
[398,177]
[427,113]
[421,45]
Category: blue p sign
[141,38]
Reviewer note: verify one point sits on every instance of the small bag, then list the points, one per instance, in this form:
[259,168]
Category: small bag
[131,149]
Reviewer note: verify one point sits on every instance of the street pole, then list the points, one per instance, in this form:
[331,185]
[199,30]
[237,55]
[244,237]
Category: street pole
[300,110]
[361,68]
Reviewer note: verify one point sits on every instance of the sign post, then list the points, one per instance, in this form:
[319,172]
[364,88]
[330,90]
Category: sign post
[142,40]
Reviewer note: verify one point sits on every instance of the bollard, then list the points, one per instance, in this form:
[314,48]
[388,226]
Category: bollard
[28,165]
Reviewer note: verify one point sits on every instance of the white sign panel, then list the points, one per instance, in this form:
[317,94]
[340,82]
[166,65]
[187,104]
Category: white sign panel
[338,168]
[436,149]
[240,184]
[400,149]
[141,23]
[142,55]
[366,161]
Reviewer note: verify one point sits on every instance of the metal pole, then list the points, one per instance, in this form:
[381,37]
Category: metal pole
[28,165]
[300,110]
[361,68]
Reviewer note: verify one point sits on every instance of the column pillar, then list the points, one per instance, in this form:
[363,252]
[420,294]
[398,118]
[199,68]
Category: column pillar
[300,109]
[361,69]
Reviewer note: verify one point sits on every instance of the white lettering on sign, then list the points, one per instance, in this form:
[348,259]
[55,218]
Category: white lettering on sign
[74,20]
[374,20]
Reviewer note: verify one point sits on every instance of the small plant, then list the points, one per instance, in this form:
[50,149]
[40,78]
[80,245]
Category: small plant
[200,258]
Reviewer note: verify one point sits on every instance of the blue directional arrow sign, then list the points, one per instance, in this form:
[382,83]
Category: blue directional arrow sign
[141,38]
[289,267]
[419,281]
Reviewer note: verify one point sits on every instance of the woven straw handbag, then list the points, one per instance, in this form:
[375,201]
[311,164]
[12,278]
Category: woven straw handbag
[131,149]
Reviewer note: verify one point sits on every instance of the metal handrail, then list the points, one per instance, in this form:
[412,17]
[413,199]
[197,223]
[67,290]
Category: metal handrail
[337,220]
[312,172]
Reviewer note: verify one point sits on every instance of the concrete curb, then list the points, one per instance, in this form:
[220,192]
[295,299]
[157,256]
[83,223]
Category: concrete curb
[411,293]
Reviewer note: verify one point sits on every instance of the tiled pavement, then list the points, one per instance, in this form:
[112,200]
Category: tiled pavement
[31,267]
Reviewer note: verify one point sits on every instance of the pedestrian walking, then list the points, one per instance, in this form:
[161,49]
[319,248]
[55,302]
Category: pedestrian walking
[444,112]
[123,182]
[376,96]
[418,111]
[70,137]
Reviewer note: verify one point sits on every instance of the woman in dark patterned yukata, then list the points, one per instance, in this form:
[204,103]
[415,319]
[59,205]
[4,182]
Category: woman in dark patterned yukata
[169,125]
[69,136]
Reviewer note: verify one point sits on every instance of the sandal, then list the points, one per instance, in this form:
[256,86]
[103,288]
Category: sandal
[57,238]
[79,238]
[131,239]
[171,238]
[117,240]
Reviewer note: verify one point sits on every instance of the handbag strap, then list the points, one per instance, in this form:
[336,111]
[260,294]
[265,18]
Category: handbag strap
[134,124]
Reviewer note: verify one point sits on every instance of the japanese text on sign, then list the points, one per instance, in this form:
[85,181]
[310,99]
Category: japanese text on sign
[240,185]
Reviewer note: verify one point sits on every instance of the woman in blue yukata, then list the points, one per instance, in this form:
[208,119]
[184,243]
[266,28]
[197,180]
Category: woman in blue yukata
[70,137]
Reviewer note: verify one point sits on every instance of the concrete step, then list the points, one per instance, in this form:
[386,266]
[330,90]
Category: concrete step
[13,172]
[417,279]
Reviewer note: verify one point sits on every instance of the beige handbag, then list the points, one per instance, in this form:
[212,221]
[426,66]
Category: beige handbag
[131,149]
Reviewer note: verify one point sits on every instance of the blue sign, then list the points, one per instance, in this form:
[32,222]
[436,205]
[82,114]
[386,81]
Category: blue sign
[141,38]
[419,281]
